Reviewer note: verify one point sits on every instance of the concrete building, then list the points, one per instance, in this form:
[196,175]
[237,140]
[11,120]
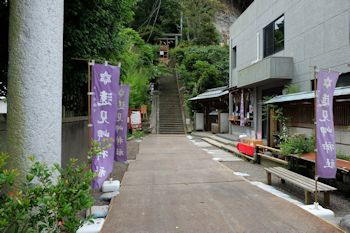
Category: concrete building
[277,42]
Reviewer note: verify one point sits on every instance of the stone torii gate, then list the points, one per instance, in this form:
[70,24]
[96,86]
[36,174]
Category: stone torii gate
[35,81]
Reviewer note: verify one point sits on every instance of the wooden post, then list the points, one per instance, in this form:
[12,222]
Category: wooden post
[308,197]
[327,198]
[268,178]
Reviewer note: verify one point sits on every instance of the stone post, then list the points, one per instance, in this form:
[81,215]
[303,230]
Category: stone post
[35,81]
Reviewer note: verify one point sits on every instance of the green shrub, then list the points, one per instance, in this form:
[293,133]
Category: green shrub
[297,145]
[49,199]
[201,68]
[342,155]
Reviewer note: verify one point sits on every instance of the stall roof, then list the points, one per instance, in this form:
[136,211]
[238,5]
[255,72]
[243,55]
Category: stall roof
[305,95]
[211,93]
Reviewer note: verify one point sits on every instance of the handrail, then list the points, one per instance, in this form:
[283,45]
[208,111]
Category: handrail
[181,99]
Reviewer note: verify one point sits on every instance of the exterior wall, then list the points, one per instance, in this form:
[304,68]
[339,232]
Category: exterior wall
[74,138]
[238,130]
[316,33]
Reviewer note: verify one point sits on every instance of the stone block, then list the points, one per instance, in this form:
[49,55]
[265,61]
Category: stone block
[108,196]
[110,186]
[92,227]
[98,211]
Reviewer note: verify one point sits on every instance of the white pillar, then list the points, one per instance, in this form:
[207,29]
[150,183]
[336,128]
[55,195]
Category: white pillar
[35,81]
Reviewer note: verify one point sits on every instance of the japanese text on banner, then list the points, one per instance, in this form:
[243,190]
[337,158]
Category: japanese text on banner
[105,86]
[122,123]
[326,151]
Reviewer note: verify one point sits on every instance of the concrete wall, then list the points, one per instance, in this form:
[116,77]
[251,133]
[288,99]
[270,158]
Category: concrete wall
[316,33]
[239,130]
[74,138]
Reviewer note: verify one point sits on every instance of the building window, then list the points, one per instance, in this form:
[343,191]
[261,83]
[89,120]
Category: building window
[234,57]
[344,80]
[274,37]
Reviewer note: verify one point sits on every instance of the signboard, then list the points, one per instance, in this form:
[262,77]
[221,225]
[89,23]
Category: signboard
[136,120]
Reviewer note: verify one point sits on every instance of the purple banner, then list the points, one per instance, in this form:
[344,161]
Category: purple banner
[122,123]
[105,86]
[326,151]
[242,120]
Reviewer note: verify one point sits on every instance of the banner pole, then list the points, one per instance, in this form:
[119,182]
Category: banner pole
[315,129]
[89,105]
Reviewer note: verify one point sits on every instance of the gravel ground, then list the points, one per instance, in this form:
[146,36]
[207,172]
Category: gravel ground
[340,202]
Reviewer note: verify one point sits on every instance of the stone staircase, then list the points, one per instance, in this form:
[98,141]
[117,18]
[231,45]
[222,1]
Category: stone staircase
[170,116]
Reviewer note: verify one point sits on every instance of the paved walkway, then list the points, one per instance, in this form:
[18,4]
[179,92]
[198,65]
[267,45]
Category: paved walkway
[174,186]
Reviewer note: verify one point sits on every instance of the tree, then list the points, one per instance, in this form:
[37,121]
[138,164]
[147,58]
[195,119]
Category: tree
[166,20]
[199,20]
[90,32]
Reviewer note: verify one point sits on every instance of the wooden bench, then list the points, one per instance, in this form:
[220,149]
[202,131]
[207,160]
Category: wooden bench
[301,181]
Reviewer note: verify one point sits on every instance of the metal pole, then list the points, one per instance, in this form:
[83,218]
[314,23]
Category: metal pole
[315,127]
[89,104]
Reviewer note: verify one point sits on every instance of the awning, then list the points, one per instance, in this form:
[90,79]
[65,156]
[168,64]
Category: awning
[305,95]
[211,93]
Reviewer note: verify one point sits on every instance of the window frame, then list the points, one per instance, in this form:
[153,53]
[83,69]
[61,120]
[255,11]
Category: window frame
[234,57]
[270,49]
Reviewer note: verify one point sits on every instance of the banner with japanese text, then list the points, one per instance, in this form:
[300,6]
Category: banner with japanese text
[105,86]
[122,123]
[325,144]
[241,116]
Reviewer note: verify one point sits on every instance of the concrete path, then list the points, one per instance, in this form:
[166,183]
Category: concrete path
[174,186]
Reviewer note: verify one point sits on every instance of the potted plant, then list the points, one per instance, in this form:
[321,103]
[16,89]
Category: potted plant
[297,145]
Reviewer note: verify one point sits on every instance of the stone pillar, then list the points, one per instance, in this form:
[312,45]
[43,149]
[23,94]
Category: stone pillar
[35,81]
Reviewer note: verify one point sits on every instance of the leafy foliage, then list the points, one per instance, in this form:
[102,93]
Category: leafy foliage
[298,144]
[139,66]
[44,203]
[292,88]
[201,68]
[342,155]
[198,19]
[91,31]
[166,21]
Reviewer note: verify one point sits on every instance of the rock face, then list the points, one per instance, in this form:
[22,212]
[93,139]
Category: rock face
[345,223]
[224,19]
